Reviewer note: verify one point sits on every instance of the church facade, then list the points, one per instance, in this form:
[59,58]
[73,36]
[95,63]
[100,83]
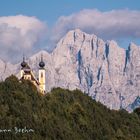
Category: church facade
[26,73]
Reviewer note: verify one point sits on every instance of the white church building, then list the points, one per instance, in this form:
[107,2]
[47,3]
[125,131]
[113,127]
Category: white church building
[27,74]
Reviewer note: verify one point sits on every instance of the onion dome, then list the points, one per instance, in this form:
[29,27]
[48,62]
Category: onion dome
[23,64]
[42,64]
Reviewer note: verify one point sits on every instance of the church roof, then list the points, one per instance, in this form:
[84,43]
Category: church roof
[27,71]
[33,78]
[27,67]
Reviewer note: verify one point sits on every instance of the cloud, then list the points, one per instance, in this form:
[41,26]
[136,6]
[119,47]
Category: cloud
[115,24]
[20,34]
[23,34]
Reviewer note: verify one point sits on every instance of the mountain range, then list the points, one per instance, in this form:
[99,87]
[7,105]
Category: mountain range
[103,70]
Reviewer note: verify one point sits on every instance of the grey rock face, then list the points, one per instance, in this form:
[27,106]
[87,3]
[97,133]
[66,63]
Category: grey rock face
[103,70]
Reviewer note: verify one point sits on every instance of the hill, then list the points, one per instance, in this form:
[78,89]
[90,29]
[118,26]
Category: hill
[60,115]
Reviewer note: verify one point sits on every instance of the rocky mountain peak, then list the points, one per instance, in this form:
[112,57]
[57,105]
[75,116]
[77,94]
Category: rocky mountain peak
[133,46]
[103,70]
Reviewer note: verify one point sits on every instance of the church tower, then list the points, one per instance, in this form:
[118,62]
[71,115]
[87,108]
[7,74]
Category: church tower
[23,65]
[42,86]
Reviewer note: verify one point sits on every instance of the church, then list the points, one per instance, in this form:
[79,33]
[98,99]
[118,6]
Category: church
[26,73]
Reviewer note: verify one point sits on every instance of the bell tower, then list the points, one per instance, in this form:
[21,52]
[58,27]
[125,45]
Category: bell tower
[23,65]
[42,80]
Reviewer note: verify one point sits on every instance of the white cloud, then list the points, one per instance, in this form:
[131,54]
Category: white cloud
[20,34]
[115,24]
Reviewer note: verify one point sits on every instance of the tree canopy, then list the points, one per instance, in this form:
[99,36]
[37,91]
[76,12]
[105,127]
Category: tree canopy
[60,115]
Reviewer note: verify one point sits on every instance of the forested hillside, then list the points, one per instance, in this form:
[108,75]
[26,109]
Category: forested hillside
[60,115]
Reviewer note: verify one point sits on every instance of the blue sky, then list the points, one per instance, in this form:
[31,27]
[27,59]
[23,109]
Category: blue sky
[50,10]
[47,21]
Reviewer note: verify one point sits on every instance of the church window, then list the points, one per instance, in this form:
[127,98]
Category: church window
[41,74]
